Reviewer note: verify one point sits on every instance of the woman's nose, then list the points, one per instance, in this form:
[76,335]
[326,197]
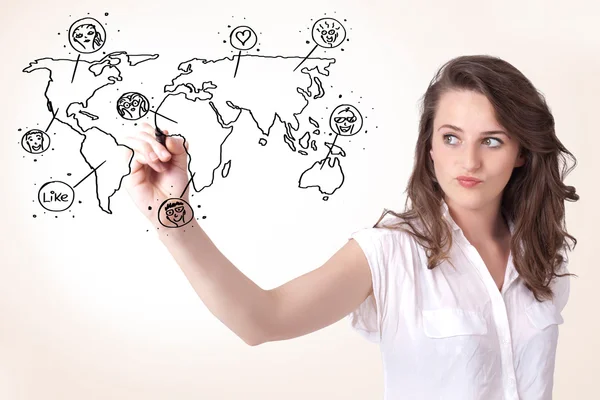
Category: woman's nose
[471,157]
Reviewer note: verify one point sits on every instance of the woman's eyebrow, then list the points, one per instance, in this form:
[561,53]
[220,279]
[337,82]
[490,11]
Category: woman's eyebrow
[456,128]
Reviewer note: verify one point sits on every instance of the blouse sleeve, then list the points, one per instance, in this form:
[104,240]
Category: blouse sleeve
[561,286]
[367,319]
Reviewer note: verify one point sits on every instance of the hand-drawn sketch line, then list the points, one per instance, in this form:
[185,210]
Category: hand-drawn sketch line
[187,70]
[93,68]
[70,114]
[108,197]
[189,155]
[202,91]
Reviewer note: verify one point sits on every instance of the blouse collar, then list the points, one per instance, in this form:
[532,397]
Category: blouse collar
[454,225]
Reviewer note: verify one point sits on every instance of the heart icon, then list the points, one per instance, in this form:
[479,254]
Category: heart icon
[243,36]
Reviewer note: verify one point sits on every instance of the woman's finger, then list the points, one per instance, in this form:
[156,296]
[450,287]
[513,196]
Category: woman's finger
[144,153]
[176,145]
[147,127]
[161,151]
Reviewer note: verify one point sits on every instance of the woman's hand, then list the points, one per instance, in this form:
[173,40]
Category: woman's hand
[157,172]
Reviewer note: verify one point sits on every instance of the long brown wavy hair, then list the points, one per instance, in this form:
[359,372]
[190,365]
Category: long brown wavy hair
[534,196]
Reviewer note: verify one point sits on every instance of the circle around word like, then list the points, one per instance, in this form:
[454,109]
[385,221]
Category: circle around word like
[56,196]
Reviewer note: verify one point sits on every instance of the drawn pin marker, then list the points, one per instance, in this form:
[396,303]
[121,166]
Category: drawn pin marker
[134,105]
[176,212]
[242,38]
[86,35]
[345,120]
[58,196]
[327,33]
[35,141]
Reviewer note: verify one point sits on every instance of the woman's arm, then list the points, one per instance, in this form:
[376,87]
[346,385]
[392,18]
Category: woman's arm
[305,304]
[320,297]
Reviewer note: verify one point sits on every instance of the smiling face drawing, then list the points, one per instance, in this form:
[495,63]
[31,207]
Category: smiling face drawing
[328,33]
[132,106]
[175,213]
[329,36]
[35,141]
[346,120]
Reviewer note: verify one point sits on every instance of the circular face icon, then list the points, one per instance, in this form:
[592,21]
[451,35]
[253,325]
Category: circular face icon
[328,33]
[175,213]
[133,106]
[87,35]
[56,196]
[35,141]
[346,120]
[243,38]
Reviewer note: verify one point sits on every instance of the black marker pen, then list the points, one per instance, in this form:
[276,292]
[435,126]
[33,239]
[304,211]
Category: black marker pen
[160,136]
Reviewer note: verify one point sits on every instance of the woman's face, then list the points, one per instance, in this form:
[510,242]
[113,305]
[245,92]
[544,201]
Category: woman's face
[467,140]
[84,35]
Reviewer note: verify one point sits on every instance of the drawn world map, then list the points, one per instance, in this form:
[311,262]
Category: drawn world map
[218,99]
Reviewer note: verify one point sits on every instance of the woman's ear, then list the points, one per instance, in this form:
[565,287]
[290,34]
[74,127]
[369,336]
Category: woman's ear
[520,159]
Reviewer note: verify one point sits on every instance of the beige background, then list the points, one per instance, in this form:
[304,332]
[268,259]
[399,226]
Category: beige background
[93,307]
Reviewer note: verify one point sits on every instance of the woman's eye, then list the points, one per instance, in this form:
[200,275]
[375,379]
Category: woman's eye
[447,136]
[486,139]
[497,140]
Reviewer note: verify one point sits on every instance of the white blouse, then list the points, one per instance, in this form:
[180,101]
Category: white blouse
[450,333]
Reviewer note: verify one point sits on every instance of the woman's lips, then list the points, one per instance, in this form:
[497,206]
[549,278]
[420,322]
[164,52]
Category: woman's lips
[468,183]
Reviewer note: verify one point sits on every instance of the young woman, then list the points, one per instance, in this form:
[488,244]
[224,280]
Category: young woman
[464,290]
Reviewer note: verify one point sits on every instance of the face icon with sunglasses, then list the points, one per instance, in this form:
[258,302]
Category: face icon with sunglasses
[346,120]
